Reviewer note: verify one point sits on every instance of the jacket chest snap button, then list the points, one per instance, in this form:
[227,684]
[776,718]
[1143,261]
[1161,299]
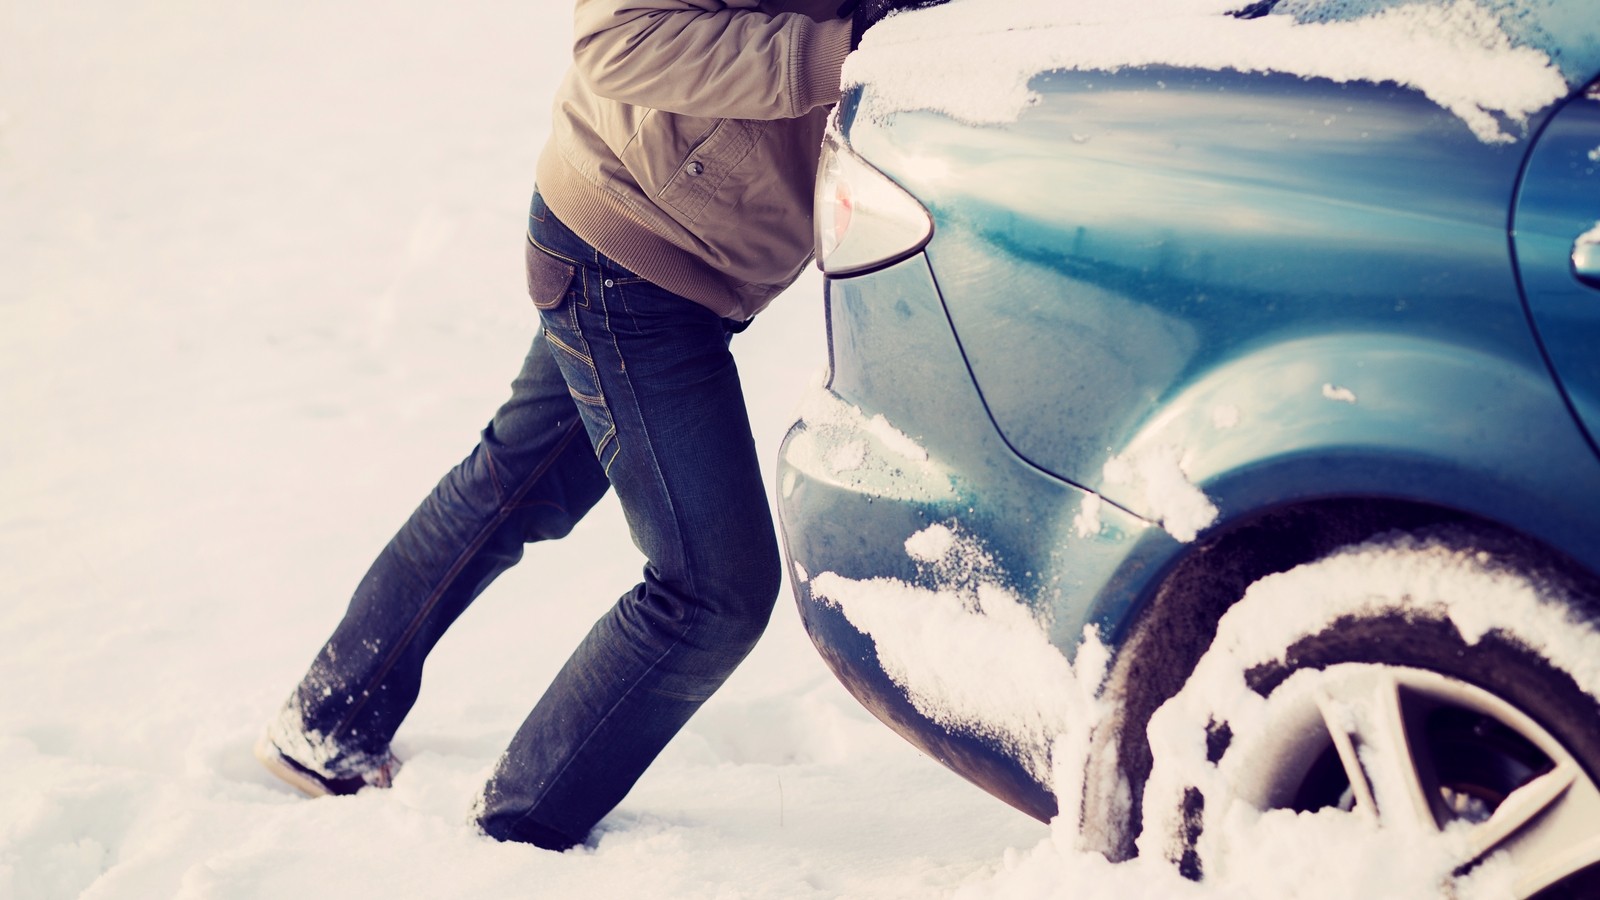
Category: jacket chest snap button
[610,283]
[696,167]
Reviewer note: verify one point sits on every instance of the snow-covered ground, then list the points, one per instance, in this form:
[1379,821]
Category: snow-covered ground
[260,284]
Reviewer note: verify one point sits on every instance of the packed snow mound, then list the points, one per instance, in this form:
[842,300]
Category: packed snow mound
[943,643]
[1460,54]
[836,442]
[1160,475]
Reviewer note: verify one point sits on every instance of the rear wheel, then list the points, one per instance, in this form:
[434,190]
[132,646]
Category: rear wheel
[1419,691]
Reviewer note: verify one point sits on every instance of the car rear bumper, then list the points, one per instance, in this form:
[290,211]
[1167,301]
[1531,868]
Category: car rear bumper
[878,460]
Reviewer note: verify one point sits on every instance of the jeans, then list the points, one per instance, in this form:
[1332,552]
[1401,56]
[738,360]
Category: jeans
[646,376]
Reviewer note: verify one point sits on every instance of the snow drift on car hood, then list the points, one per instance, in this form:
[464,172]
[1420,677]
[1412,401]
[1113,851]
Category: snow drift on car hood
[973,59]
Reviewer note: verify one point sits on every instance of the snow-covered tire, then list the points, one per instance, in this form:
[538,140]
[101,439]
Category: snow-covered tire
[1418,713]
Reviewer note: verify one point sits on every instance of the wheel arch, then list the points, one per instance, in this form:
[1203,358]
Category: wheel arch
[1179,611]
[1354,414]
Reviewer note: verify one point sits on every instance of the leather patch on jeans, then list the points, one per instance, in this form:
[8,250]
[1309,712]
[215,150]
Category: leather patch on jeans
[548,278]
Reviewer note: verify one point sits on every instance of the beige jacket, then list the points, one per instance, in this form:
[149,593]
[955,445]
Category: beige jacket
[686,136]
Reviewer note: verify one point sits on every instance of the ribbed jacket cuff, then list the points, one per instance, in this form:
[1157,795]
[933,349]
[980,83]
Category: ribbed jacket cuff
[822,60]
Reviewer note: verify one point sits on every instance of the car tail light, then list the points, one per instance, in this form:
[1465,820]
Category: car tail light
[863,220]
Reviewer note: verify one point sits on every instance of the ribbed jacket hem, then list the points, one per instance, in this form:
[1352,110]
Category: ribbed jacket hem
[608,223]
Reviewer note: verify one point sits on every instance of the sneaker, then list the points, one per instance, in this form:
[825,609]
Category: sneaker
[315,784]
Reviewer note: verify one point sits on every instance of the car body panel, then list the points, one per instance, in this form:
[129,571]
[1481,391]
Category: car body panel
[840,519]
[1214,273]
[1298,293]
[1560,201]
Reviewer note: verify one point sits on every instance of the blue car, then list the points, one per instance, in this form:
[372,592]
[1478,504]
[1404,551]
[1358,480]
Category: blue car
[1207,435]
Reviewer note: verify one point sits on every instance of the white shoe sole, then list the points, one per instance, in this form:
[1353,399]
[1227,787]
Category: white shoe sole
[273,762]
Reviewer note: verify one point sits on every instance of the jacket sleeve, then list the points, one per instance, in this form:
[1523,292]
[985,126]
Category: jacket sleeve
[712,58]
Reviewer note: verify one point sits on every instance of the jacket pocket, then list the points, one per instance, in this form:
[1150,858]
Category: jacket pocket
[548,278]
[708,164]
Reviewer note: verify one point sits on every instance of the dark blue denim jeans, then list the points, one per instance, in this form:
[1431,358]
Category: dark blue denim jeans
[646,377]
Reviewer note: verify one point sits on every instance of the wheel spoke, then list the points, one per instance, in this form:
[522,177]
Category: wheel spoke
[1367,710]
[1523,806]
[1337,721]
[1548,826]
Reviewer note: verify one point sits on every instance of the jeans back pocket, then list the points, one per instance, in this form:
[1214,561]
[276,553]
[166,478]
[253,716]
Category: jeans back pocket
[548,278]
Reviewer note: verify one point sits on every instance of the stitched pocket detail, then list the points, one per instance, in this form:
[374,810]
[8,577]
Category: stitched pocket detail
[605,450]
[592,409]
[570,348]
[708,164]
[548,278]
[684,160]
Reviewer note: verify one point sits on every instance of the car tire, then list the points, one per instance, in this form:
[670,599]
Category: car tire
[1423,687]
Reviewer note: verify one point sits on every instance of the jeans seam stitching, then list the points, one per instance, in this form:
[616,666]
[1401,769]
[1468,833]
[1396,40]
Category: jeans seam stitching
[578,751]
[415,625]
[677,527]
[556,340]
[581,397]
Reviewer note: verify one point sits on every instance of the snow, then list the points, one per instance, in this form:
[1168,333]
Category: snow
[943,644]
[1436,577]
[262,286]
[947,555]
[1457,53]
[1224,416]
[932,544]
[943,650]
[1338,394]
[1087,522]
[839,443]
[1157,473]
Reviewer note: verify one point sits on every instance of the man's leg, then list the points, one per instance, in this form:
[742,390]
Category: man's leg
[531,477]
[661,397]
